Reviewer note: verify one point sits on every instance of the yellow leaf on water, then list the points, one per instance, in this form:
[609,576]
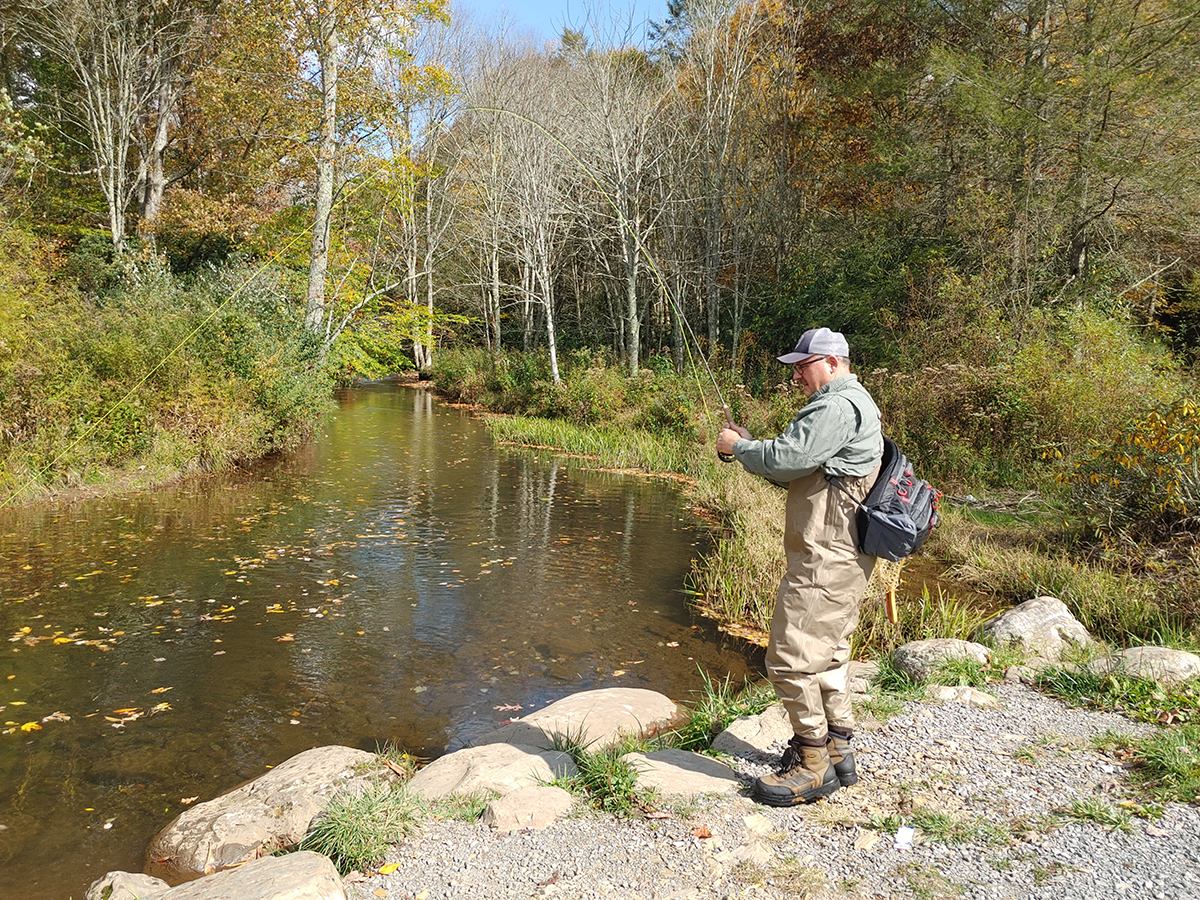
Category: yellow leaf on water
[186,801]
[389,868]
[618,673]
[162,690]
[31,726]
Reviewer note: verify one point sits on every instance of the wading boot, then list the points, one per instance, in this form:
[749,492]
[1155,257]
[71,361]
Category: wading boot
[841,754]
[805,774]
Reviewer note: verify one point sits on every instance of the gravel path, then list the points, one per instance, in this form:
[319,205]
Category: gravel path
[997,776]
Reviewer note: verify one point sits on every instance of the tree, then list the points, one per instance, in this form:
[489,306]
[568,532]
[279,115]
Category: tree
[621,106]
[129,59]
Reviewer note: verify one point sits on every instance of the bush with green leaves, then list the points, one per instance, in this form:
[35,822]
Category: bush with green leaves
[171,374]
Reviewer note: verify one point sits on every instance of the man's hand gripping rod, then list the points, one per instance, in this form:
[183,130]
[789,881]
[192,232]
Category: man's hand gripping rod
[725,457]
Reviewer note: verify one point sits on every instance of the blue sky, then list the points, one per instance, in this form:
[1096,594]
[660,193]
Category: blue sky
[548,17]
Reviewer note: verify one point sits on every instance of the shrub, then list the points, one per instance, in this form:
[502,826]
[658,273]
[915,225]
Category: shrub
[164,372]
[1145,482]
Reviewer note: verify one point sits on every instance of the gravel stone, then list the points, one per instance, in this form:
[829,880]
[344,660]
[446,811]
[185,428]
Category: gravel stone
[1006,772]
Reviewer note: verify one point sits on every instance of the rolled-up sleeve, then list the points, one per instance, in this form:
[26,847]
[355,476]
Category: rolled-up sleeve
[817,432]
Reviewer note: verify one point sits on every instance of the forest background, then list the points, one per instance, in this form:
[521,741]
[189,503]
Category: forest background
[211,211]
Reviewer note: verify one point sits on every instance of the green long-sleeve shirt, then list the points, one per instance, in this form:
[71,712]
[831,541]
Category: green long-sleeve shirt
[838,430]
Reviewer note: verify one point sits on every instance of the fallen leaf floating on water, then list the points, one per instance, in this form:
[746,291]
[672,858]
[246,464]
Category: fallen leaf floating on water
[162,690]
[286,637]
[57,717]
[188,801]
[31,726]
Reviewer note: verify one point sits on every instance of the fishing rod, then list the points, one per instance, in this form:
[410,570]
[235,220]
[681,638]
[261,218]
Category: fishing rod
[646,254]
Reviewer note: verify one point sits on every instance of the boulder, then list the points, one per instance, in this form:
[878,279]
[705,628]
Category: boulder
[1040,627]
[1162,664]
[682,773]
[126,886]
[270,813]
[755,733]
[965,695]
[294,876]
[920,659]
[497,768]
[596,719]
[530,808]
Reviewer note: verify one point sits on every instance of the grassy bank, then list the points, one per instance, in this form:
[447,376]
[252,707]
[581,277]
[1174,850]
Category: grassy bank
[1028,536]
[148,375]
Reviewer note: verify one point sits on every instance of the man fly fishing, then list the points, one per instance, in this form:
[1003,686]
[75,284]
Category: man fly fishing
[836,433]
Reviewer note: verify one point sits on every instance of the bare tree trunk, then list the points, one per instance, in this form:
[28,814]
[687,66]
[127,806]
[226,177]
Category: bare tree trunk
[318,257]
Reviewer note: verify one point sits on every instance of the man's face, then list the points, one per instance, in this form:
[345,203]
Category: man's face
[813,374]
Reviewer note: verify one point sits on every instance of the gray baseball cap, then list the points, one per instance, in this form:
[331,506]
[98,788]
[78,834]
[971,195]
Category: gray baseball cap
[817,342]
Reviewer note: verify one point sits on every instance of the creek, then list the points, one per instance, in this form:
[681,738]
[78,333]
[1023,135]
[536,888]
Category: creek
[401,580]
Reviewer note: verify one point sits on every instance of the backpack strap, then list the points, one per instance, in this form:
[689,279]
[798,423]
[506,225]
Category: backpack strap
[836,481]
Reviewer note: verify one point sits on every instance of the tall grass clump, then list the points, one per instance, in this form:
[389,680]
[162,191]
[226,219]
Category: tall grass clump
[604,779]
[717,704]
[355,830]
[930,616]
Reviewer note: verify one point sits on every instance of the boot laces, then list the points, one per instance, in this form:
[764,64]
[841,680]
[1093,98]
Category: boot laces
[792,759]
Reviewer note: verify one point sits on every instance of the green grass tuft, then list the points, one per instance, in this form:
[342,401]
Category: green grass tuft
[1138,698]
[355,831]
[717,705]
[606,781]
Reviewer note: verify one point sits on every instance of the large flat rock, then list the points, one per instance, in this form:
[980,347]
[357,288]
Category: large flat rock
[595,719]
[529,808]
[272,812]
[296,876]
[681,773]
[494,768]
[755,733]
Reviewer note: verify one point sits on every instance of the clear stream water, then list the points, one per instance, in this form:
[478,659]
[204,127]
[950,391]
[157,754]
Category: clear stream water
[400,580]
